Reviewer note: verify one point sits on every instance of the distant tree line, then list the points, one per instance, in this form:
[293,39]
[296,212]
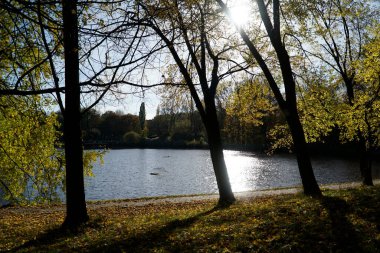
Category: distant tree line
[244,126]
[170,130]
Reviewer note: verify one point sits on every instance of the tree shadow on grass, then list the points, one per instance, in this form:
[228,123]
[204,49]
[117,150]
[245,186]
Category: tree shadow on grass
[346,238]
[157,237]
[49,237]
[146,240]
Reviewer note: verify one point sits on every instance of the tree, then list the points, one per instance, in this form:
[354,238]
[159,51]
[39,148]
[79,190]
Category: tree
[90,126]
[27,71]
[333,34]
[30,163]
[288,105]
[76,212]
[142,116]
[189,32]
[42,75]
[34,15]
[364,113]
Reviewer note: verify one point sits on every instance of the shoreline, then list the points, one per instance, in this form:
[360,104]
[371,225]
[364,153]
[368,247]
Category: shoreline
[179,199]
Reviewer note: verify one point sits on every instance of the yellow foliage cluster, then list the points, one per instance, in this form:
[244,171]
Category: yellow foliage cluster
[30,163]
[247,106]
[31,156]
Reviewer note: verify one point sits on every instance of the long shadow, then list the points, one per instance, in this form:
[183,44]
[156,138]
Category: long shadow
[52,236]
[152,238]
[345,237]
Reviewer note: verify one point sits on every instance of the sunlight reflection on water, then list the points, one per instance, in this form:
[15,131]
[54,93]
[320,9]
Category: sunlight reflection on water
[241,170]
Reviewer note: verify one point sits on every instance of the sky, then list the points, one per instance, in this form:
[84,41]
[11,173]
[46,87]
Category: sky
[131,104]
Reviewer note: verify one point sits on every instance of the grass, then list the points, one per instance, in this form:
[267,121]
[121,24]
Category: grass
[342,221]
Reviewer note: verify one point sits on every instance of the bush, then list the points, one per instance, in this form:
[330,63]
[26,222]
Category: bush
[132,138]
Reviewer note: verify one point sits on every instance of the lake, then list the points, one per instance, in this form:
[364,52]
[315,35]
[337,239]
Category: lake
[134,173]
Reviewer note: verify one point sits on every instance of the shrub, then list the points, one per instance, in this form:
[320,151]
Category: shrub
[132,138]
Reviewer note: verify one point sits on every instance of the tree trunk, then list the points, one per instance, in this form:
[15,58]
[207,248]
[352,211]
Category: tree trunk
[305,168]
[76,212]
[226,195]
[365,159]
[365,165]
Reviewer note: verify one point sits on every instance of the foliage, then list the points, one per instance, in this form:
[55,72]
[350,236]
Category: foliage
[318,106]
[330,38]
[132,138]
[364,114]
[31,162]
[247,107]
[31,155]
[22,51]
[90,157]
[279,138]
[109,126]
[342,221]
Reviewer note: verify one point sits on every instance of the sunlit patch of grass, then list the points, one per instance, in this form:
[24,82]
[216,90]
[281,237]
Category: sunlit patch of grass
[343,221]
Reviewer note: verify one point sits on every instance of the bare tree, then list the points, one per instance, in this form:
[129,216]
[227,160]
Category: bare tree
[199,50]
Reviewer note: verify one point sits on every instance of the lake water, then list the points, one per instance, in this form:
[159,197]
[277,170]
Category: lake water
[133,173]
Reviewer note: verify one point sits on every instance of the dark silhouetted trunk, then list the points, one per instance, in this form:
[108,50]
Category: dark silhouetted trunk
[305,168]
[76,212]
[365,164]
[226,195]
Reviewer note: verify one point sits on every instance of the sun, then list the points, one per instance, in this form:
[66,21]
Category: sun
[240,12]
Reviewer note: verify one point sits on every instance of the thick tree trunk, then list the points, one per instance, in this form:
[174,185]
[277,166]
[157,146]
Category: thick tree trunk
[365,165]
[305,168]
[226,195]
[76,212]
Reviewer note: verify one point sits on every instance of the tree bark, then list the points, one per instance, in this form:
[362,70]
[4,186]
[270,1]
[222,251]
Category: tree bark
[226,195]
[365,165]
[305,168]
[76,212]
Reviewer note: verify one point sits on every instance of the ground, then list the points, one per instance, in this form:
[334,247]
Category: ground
[281,220]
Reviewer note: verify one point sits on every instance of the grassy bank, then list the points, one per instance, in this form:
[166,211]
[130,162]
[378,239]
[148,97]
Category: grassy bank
[343,221]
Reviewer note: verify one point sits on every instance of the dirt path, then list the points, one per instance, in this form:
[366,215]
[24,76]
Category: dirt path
[238,195]
[174,199]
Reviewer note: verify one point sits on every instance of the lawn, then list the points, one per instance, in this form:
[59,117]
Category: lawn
[342,221]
